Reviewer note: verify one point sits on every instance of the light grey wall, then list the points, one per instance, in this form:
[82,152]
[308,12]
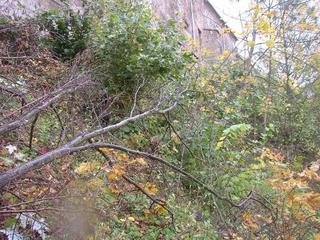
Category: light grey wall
[28,8]
[199,19]
[201,23]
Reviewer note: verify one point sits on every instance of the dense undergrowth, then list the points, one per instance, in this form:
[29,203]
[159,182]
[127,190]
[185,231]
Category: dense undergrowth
[247,136]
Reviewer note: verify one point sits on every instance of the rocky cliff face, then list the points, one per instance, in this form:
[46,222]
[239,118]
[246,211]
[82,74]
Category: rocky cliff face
[200,20]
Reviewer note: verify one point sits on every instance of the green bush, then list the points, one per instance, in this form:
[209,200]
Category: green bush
[130,46]
[68,31]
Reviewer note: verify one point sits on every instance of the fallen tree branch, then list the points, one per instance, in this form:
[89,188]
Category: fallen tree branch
[154,200]
[22,57]
[15,93]
[132,182]
[54,96]
[166,163]
[10,212]
[70,147]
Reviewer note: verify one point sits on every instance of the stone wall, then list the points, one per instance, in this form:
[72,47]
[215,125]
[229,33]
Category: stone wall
[200,20]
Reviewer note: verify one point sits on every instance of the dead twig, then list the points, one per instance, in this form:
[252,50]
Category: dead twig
[70,147]
[6,212]
[22,57]
[43,103]
[62,132]
[166,163]
[139,86]
[33,124]
[15,93]
[154,200]
[132,182]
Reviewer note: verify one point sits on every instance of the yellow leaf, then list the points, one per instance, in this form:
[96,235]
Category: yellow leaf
[251,43]
[116,173]
[122,156]
[225,53]
[250,222]
[226,30]
[112,176]
[270,14]
[151,188]
[228,110]
[141,161]
[175,138]
[224,77]
[313,200]
[270,43]
[114,188]
[264,26]
[210,89]
[316,236]
[159,209]
[87,167]
[34,140]
[118,169]
[247,217]
[138,160]
[272,155]
[131,219]
[219,145]
[220,58]
[220,142]
[288,237]
[107,151]
[96,183]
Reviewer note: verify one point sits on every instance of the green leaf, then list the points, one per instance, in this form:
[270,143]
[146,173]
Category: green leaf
[10,222]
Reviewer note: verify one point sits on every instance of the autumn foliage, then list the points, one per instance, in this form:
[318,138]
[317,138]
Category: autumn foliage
[111,130]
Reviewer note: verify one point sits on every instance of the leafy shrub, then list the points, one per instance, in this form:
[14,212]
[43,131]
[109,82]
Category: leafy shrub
[130,46]
[68,31]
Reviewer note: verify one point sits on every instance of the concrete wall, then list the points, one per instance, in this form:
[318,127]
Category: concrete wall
[200,20]
[28,8]
[201,23]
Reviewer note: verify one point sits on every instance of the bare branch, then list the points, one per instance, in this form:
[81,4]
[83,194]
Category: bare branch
[15,93]
[70,147]
[154,200]
[166,163]
[32,130]
[136,96]
[71,86]
[22,57]
[132,182]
